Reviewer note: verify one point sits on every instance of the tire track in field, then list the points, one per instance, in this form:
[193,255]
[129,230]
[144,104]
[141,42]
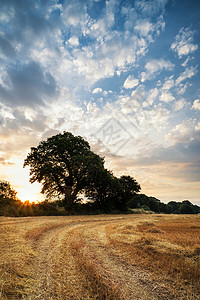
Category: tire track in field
[74,261]
[132,282]
[54,270]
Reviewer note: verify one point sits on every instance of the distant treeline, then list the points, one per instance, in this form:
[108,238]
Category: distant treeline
[11,206]
[152,204]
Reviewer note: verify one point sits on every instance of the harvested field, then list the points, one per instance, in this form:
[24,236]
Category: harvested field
[100,257]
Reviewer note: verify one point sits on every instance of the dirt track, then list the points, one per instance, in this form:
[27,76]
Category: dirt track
[71,258]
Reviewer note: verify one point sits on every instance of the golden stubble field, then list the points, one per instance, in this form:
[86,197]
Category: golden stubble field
[100,257]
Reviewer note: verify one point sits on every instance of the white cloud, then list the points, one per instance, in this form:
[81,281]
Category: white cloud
[93,69]
[150,8]
[147,29]
[143,27]
[197,128]
[130,82]
[97,90]
[178,105]
[169,83]
[129,105]
[181,88]
[6,112]
[188,73]
[74,41]
[157,65]
[111,52]
[158,121]
[196,104]
[166,97]
[151,97]
[108,52]
[55,7]
[154,66]
[183,44]
[110,12]
[75,15]
[160,25]
[105,93]
[181,132]
[144,76]
[110,57]
[186,49]
[93,109]
[184,64]
[153,94]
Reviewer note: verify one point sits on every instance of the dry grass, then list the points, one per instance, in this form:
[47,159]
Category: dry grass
[100,257]
[169,248]
[15,257]
[102,280]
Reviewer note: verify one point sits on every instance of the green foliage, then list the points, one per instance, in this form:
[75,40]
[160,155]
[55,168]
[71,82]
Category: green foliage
[130,186]
[145,207]
[138,200]
[8,200]
[65,165]
[173,207]
[6,191]
[142,201]
[186,208]
[106,192]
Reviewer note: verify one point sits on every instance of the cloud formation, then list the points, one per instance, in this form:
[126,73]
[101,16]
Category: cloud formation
[188,73]
[196,104]
[28,85]
[184,42]
[74,65]
[130,82]
[155,66]
[166,97]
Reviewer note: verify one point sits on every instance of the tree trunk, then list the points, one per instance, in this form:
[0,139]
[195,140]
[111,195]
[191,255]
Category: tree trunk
[68,196]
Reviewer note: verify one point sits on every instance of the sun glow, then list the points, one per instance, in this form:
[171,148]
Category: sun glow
[19,179]
[29,192]
[26,194]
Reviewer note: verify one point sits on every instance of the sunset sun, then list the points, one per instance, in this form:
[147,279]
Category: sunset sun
[26,194]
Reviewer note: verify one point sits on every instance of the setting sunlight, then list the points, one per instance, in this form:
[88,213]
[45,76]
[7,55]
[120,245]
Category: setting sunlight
[19,178]
[28,194]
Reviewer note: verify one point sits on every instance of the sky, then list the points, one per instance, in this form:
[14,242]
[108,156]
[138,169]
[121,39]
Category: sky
[122,74]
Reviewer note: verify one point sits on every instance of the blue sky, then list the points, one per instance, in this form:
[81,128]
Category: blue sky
[122,74]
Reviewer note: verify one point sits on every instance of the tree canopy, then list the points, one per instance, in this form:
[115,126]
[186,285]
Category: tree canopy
[8,199]
[106,191]
[6,191]
[130,186]
[64,164]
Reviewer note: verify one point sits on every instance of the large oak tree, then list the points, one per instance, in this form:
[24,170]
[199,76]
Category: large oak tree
[65,165]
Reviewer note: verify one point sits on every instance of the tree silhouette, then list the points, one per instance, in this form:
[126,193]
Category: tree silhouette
[130,186]
[106,192]
[6,191]
[65,165]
